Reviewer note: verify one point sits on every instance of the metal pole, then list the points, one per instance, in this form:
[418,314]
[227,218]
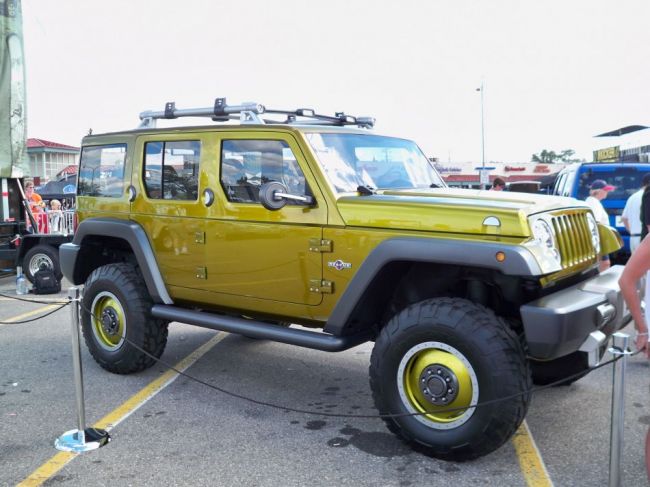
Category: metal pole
[621,342]
[481,89]
[76,440]
[74,295]
[482,129]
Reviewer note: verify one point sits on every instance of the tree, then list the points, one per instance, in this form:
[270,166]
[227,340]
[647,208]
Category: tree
[551,157]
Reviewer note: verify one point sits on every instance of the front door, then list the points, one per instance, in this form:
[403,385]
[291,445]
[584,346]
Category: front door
[256,255]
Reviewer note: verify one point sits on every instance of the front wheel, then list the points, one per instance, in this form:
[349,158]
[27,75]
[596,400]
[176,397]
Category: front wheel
[115,311]
[434,362]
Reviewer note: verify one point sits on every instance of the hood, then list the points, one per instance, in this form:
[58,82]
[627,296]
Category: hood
[450,210]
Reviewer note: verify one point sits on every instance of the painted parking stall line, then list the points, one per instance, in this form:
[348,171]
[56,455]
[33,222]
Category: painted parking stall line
[29,314]
[119,414]
[530,460]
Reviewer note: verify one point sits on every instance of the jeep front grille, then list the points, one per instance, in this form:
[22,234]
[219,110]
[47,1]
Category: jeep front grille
[574,238]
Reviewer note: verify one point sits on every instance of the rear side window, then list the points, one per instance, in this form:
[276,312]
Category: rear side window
[101,170]
[171,169]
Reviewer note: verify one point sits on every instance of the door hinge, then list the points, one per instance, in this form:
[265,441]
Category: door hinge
[318,245]
[201,273]
[320,286]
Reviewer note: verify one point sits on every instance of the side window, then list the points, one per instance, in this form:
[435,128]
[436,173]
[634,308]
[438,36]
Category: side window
[568,184]
[171,170]
[559,184]
[101,170]
[247,164]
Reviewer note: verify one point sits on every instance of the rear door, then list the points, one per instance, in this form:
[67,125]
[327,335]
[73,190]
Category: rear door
[166,181]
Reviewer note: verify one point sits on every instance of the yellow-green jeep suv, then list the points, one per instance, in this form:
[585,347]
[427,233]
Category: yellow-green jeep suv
[314,220]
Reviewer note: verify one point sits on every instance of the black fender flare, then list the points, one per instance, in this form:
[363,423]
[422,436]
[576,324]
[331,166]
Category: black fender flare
[518,261]
[127,230]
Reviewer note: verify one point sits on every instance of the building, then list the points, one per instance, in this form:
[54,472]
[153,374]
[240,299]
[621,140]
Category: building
[47,159]
[467,174]
[625,144]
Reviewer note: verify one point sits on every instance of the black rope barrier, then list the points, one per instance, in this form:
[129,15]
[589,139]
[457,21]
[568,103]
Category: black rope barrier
[27,300]
[368,416]
[37,318]
[321,413]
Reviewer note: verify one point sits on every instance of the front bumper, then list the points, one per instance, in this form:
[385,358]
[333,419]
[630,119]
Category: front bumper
[561,323]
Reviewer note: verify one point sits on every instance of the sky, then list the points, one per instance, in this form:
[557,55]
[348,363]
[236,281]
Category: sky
[554,72]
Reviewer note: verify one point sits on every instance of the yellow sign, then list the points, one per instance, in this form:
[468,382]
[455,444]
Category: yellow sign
[609,154]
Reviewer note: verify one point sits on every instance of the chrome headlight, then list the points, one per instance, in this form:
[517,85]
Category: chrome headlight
[543,233]
[593,230]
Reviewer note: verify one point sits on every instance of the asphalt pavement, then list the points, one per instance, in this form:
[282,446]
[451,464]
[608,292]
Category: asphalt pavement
[190,434]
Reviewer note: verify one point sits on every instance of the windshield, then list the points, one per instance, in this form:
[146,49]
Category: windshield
[373,161]
[626,180]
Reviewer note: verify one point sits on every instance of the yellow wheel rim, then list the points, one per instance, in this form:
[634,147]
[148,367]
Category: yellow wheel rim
[108,321]
[434,377]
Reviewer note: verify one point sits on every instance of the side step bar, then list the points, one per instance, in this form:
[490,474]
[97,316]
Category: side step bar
[258,329]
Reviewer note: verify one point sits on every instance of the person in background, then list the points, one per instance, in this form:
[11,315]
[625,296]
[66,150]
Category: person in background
[55,216]
[35,201]
[644,215]
[597,192]
[35,204]
[632,213]
[498,185]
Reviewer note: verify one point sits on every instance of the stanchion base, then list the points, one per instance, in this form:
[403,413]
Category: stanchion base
[94,438]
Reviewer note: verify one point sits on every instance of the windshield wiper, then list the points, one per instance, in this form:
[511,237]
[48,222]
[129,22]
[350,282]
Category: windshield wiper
[435,185]
[365,190]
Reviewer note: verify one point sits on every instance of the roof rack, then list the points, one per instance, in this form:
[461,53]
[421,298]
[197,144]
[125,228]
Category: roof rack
[249,113]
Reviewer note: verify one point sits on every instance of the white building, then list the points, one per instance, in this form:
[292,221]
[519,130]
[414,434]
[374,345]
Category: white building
[47,159]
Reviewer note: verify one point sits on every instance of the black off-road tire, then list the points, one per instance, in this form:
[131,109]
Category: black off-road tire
[450,331]
[117,294]
[41,254]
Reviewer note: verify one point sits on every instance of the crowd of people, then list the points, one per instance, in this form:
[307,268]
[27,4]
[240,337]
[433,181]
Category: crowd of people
[48,216]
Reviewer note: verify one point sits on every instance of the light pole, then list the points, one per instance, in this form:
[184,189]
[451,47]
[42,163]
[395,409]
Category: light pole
[481,89]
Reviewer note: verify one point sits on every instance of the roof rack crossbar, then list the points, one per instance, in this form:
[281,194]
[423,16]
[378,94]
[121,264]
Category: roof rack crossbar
[248,113]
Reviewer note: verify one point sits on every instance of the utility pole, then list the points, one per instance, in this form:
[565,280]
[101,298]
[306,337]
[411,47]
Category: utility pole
[482,89]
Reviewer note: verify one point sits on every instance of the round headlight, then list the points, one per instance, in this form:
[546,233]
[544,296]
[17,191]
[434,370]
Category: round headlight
[593,230]
[543,233]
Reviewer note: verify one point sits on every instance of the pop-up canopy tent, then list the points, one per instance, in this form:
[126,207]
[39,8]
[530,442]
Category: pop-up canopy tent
[60,190]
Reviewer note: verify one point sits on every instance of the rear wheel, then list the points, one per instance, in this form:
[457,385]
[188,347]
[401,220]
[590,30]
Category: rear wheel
[115,313]
[41,255]
[437,359]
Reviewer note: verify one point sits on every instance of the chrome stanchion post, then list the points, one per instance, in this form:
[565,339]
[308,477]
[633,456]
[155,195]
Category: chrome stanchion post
[82,439]
[621,342]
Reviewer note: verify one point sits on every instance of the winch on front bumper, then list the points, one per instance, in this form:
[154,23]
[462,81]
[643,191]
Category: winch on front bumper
[581,317]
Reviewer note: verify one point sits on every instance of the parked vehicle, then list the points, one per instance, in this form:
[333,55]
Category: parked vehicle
[575,180]
[314,220]
[31,244]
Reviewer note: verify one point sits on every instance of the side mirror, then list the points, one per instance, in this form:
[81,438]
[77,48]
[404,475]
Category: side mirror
[273,196]
[268,195]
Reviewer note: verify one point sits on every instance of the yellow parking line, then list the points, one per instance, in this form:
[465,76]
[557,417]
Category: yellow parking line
[44,309]
[530,461]
[112,419]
